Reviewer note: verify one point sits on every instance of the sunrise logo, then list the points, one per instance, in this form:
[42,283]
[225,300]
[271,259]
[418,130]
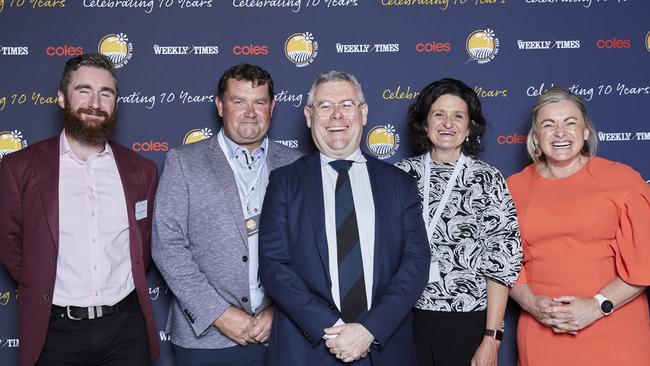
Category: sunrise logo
[301,49]
[196,135]
[11,141]
[482,45]
[383,141]
[117,48]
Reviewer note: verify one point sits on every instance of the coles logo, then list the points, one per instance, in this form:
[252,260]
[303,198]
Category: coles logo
[482,45]
[514,139]
[150,146]
[116,47]
[301,49]
[11,141]
[250,50]
[613,43]
[64,50]
[433,47]
[383,141]
[196,135]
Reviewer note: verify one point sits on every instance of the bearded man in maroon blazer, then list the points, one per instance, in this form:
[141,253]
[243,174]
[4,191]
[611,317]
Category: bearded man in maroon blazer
[75,229]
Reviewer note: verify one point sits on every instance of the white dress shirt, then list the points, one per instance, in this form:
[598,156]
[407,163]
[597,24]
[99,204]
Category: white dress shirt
[252,176]
[365,211]
[94,261]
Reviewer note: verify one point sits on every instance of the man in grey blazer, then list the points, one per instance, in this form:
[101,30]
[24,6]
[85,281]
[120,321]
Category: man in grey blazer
[205,228]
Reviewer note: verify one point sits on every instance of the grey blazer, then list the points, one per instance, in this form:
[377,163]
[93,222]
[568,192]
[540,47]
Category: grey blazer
[199,241]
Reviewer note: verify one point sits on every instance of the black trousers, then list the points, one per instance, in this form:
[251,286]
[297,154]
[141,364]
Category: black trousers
[250,355]
[118,339]
[447,338]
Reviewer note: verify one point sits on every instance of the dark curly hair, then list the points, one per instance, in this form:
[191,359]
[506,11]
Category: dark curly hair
[419,112]
[253,73]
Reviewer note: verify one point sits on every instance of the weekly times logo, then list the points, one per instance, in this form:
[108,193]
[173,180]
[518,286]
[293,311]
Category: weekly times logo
[301,49]
[11,141]
[482,45]
[197,135]
[117,48]
[383,141]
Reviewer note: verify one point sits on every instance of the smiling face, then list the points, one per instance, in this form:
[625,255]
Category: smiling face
[447,127]
[246,111]
[560,132]
[89,105]
[337,135]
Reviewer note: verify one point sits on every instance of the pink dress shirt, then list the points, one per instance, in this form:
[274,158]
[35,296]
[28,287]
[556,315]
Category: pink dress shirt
[94,263]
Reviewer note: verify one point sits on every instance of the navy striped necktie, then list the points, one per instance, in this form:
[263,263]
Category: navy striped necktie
[352,286]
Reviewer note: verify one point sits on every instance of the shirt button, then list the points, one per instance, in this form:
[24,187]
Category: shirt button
[46,297]
[244,299]
[52,260]
[255,209]
[94,240]
[244,259]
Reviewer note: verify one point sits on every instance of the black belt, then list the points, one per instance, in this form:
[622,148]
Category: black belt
[94,312]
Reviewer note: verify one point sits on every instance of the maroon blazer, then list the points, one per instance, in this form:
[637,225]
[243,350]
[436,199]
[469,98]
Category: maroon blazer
[29,234]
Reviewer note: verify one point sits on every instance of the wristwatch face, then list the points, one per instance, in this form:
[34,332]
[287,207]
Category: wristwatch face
[606,307]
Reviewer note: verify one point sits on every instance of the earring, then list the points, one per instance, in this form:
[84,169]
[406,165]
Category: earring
[537,151]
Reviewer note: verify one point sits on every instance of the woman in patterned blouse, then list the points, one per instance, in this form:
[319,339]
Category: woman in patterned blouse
[472,227]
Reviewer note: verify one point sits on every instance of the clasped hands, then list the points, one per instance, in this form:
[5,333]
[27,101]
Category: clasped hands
[565,314]
[349,342]
[242,328]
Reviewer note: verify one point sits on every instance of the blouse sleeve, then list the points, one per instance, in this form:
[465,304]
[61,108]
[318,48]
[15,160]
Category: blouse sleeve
[632,246]
[502,253]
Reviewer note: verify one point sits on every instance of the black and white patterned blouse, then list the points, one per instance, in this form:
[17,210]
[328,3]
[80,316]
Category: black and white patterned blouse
[476,237]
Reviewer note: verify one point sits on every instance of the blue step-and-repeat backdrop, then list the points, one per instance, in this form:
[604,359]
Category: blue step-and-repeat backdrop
[170,54]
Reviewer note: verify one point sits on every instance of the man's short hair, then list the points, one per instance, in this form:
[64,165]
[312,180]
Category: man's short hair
[87,59]
[255,74]
[332,76]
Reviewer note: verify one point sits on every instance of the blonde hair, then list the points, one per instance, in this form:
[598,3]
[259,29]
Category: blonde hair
[554,95]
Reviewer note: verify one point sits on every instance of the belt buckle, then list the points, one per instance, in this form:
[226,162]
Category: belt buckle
[67,312]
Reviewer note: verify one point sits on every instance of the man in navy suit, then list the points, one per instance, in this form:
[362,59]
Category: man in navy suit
[343,247]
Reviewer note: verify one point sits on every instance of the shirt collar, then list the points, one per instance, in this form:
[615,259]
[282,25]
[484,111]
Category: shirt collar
[233,147]
[64,147]
[356,157]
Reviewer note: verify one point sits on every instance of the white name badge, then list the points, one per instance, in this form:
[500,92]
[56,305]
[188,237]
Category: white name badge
[141,210]
[434,272]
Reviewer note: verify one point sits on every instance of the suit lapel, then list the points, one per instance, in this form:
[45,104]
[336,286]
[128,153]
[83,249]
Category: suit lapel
[47,173]
[273,159]
[226,178]
[378,180]
[309,171]
[131,179]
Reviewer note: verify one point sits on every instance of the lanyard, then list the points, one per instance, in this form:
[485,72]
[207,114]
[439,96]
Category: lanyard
[445,196]
[243,188]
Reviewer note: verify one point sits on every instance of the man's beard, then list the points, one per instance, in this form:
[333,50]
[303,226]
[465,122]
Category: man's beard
[96,134]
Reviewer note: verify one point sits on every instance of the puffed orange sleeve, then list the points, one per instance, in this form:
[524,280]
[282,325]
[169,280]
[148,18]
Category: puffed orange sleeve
[632,245]
[522,279]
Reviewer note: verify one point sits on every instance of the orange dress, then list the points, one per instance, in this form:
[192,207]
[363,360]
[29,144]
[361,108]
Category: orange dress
[578,233]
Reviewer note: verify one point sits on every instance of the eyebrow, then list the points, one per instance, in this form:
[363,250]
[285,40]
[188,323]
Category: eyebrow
[246,99]
[104,88]
[554,121]
[443,110]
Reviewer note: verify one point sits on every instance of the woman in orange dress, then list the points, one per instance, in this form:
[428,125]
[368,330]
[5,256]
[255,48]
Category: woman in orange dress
[585,228]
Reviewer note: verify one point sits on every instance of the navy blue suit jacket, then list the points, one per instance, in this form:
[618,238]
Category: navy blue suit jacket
[294,264]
